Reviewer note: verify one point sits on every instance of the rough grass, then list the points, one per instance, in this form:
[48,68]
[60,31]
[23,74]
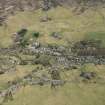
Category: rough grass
[96,36]
[14,75]
[73,27]
[74,93]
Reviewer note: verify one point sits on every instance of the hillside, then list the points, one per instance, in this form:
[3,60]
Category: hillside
[52,53]
[72,25]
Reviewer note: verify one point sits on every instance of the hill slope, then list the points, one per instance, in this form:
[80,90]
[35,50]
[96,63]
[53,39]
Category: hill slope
[72,26]
[72,23]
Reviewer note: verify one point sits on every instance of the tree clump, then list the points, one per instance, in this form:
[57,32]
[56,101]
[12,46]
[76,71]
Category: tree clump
[35,34]
[22,32]
[22,42]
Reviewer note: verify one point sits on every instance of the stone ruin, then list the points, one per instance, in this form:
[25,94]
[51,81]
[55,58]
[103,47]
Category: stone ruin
[48,4]
[3,20]
[56,35]
[45,19]
[88,75]
[7,65]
